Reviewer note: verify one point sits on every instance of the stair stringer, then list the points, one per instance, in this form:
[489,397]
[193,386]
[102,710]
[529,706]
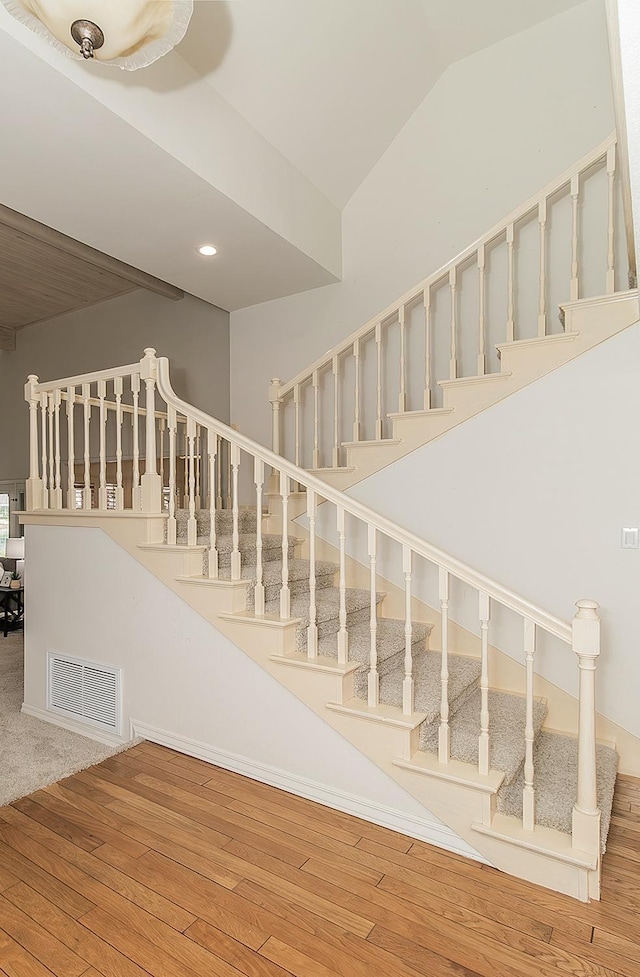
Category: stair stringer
[456,794]
[587,323]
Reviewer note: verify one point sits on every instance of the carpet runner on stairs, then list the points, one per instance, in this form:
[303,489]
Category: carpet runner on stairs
[555,755]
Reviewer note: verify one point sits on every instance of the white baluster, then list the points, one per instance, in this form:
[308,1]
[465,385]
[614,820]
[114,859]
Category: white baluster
[192,525]
[172,528]
[483,741]
[57,491]
[276,421]
[402,397]
[117,389]
[198,467]
[258,477]
[219,475]
[285,593]
[231,488]
[86,400]
[482,365]
[444,733]
[151,492]
[542,307]
[379,418]
[185,493]
[575,191]
[296,409]
[312,630]
[407,685]
[335,368]
[212,445]
[373,681]
[528,792]
[136,501]
[510,283]
[453,363]
[34,482]
[426,301]
[234,460]
[356,399]
[45,481]
[161,430]
[315,381]
[50,410]
[611,173]
[343,634]
[102,415]
[71,461]
[586,645]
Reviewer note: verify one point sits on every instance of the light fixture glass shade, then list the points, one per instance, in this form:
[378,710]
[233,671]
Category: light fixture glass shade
[15,548]
[136,32]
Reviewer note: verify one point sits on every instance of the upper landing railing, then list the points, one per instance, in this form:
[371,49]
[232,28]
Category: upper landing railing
[166,453]
[564,243]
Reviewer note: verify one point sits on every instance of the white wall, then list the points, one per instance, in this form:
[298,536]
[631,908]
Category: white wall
[534,492]
[494,129]
[193,334]
[629,23]
[182,676]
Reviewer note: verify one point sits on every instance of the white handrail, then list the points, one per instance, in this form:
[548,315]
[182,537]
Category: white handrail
[416,291]
[554,625]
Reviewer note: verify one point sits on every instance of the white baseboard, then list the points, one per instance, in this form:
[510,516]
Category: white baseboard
[431,832]
[91,733]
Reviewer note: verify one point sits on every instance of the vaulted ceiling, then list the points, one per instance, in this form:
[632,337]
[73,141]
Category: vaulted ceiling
[251,135]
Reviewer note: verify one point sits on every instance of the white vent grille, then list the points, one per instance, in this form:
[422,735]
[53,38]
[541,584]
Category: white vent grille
[84,690]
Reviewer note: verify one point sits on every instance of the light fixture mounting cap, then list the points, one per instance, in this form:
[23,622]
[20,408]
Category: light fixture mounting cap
[88,35]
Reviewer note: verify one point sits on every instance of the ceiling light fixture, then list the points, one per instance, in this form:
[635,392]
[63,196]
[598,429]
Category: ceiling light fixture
[208,249]
[127,33]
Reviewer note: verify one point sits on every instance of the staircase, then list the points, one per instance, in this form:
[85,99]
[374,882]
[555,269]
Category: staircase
[300,578]
[473,332]
[554,755]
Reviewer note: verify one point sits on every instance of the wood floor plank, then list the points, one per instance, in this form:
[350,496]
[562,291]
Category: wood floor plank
[108,961]
[148,954]
[153,863]
[62,857]
[40,944]
[57,892]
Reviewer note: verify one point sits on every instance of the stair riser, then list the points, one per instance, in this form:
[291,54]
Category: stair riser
[247,558]
[296,587]
[331,626]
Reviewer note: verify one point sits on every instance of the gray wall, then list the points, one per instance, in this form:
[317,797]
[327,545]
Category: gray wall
[192,334]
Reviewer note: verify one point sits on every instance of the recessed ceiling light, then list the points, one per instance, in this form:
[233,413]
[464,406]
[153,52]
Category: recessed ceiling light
[207,249]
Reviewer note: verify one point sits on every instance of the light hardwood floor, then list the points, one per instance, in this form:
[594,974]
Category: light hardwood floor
[155,863]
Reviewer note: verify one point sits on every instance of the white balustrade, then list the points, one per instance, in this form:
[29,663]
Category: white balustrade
[583,635]
[454,320]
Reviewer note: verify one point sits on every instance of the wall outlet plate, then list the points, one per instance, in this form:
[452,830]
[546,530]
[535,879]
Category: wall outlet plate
[630,539]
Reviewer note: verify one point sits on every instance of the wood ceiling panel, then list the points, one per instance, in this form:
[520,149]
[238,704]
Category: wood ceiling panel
[37,282]
[44,273]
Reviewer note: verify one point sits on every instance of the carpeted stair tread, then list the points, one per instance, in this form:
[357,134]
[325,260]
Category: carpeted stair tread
[272,571]
[390,640]
[506,731]
[463,676]
[224,521]
[327,604]
[555,762]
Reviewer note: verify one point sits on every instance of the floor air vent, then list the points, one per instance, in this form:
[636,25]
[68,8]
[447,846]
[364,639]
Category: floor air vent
[84,690]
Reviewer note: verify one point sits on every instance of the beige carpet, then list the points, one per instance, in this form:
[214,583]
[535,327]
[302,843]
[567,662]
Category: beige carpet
[34,753]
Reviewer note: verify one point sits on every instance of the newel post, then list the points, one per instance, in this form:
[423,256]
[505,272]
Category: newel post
[151,482]
[34,482]
[276,429]
[586,644]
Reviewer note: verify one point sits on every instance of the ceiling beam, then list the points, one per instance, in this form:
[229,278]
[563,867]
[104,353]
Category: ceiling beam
[7,338]
[55,239]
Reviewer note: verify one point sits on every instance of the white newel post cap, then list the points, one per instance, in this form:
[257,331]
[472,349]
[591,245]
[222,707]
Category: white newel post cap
[274,390]
[149,364]
[29,393]
[586,629]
